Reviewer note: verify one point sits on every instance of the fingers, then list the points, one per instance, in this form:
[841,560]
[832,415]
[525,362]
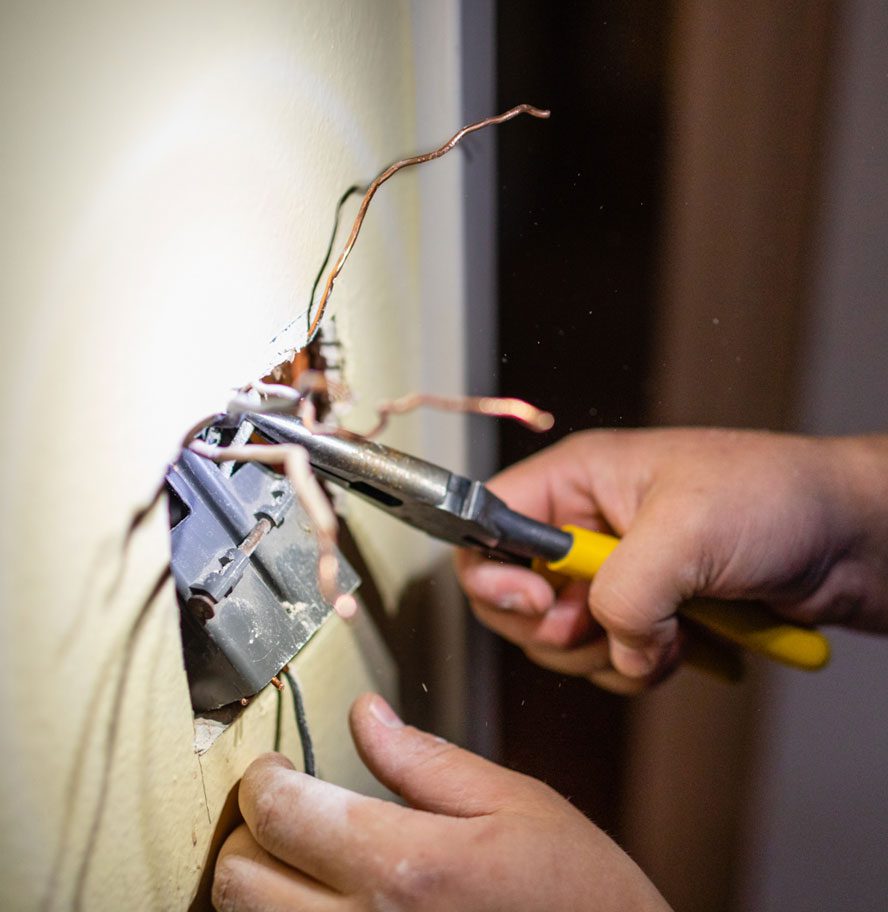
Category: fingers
[572,644]
[349,842]
[248,878]
[504,586]
[426,771]
[557,639]
[562,627]
[557,484]
[637,591]
[583,480]
[328,832]
[611,680]
[581,661]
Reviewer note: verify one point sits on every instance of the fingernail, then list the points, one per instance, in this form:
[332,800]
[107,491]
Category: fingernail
[384,713]
[514,601]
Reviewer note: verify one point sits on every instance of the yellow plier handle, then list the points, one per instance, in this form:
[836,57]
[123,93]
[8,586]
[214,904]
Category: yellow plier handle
[748,624]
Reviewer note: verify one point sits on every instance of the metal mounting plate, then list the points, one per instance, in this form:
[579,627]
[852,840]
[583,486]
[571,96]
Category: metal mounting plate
[264,606]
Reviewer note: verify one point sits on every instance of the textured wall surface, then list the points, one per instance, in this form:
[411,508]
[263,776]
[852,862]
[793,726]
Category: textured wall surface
[168,182]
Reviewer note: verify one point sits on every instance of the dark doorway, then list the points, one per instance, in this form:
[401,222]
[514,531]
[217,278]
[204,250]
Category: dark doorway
[579,207]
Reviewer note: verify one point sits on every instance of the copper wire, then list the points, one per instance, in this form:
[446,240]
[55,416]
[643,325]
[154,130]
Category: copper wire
[495,406]
[276,397]
[295,460]
[389,172]
[355,188]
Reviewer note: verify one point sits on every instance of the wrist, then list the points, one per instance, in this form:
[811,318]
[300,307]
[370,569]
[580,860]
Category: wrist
[861,470]
[862,465]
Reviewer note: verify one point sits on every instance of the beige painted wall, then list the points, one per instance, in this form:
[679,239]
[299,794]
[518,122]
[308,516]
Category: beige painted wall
[167,183]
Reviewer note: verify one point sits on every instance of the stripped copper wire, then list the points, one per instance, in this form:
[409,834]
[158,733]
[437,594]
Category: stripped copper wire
[263,396]
[279,398]
[391,170]
[297,467]
[355,188]
[495,406]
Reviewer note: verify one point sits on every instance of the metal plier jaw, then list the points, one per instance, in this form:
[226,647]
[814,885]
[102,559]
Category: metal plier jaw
[464,512]
[442,504]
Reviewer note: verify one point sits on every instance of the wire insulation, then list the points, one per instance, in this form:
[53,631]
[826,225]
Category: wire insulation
[278,720]
[355,188]
[308,757]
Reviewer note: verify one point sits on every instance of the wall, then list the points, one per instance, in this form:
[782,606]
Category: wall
[168,179]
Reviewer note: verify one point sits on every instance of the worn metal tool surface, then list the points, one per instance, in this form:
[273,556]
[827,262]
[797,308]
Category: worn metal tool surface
[244,558]
[464,512]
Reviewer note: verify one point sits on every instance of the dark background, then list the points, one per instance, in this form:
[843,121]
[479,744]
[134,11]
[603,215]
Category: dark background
[695,237]
[579,201]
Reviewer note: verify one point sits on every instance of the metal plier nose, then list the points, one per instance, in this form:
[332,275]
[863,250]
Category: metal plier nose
[445,505]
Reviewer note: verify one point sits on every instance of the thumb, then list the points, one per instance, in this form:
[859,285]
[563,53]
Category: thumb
[429,773]
[637,591]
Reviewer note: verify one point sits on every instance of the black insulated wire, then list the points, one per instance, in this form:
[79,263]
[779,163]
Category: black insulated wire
[308,757]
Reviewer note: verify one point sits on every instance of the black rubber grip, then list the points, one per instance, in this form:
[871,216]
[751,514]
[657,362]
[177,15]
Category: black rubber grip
[528,537]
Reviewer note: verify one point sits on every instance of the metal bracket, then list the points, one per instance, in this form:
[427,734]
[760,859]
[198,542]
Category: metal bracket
[244,558]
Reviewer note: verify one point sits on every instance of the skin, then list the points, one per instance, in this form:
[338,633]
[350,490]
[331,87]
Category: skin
[798,523]
[474,836]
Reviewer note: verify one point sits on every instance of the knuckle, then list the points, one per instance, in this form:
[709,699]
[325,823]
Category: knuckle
[618,613]
[410,882]
[578,441]
[696,561]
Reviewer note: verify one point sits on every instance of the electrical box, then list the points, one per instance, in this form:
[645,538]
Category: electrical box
[244,559]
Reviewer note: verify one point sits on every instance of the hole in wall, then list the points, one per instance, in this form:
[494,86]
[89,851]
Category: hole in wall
[245,559]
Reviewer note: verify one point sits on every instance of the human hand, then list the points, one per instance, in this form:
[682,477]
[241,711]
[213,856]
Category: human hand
[476,837]
[796,522]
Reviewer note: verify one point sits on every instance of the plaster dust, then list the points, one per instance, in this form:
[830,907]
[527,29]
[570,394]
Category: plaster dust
[169,177]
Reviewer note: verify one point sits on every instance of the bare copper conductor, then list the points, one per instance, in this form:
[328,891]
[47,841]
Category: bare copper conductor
[390,171]
[495,406]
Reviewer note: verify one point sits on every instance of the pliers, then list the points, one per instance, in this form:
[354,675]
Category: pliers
[465,513]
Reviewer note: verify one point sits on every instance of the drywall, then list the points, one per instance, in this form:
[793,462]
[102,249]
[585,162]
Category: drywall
[168,179]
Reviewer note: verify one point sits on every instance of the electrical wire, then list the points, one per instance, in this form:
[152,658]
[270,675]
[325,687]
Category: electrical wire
[278,720]
[390,171]
[308,757]
[495,406]
[355,188]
